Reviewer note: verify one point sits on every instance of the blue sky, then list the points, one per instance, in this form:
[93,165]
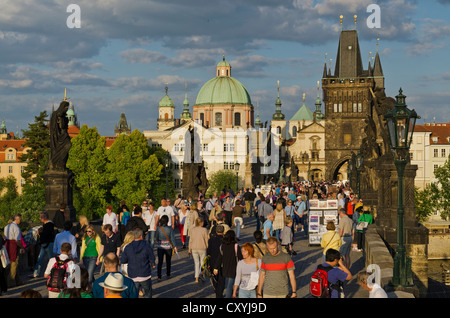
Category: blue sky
[125,52]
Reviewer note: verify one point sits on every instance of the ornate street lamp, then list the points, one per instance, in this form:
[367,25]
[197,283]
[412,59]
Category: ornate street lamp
[400,122]
[359,162]
[237,165]
[350,170]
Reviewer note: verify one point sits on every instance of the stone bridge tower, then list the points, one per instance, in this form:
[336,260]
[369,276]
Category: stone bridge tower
[348,101]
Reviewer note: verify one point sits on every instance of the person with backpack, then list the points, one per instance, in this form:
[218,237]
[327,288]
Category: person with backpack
[328,278]
[57,271]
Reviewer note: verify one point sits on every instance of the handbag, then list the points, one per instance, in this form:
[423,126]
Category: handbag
[4,257]
[362,225]
[254,278]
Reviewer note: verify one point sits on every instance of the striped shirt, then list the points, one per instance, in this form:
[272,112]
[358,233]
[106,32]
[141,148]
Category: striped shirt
[276,268]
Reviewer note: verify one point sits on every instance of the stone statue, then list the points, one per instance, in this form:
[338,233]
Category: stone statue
[59,138]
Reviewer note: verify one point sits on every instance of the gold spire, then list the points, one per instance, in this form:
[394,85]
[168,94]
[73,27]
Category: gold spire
[355,16]
[341,17]
[65,95]
[378,39]
[304,98]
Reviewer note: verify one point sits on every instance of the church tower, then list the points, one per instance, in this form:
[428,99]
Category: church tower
[347,97]
[166,118]
[278,118]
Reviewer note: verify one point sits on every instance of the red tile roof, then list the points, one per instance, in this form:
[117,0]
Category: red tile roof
[440,130]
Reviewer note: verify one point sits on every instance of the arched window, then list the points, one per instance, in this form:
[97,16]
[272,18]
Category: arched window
[294,131]
[237,119]
[218,119]
[166,116]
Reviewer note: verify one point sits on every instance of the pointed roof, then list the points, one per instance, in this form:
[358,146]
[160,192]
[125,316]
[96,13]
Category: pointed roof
[304,113]
[278,114]
[377,69]
[348,58]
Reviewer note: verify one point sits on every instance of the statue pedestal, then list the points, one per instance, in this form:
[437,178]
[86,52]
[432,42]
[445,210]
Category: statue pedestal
[58,189]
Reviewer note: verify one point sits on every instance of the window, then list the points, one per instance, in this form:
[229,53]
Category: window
[294,131]
[355,107]
[435,167]
[202,117]
[443,153]
[228,147]
[178,147]
[218,117]
[10,169]
[411,156]
[237,119]
[347,139]
[177,183]
[435,153]
[340,108]
[205,147]
[360,108]
[335,108]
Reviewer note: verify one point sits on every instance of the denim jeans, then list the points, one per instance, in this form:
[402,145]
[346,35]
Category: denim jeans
[247,293]
[168,255]
[90,264]
[151,238]
[146,287]
[44,251]
[238,223]
[229,282]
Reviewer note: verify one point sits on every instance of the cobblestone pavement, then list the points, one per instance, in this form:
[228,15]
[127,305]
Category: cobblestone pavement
[182,284]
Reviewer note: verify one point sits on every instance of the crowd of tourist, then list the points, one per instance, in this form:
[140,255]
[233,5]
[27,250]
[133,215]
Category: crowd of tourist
[132,244]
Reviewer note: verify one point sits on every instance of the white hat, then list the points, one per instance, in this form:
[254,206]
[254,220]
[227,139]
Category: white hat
[114,281]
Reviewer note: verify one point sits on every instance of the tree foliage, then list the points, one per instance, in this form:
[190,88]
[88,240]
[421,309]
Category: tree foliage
[131,169]
[441,189]
[8,196]
[219,179]
[88,160]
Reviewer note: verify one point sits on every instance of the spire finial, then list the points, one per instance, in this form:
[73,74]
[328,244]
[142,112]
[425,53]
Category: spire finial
[355,17]
[378,39]
[341,17]
[167,88]
[278,87]
[223,56]
[304,98]
[65,95]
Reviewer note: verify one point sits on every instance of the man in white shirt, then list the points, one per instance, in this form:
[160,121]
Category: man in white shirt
[53,292]
[164,209]
[110,218]
[13,237]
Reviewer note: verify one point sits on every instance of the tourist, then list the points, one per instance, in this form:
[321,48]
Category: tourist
[110,218]
[287,237]
[90,251]
[198,244]
[268,226]
[277,272]
[140,259]
[345,232]
[164,209]
[149,217]
[227,207]
[110,243]
[165,243]
[190,219]
[213,251]
[219,221]
[182,214]
[260,246]
[129,237]
[14,245]
[330,239]
[3,282]
[238,221]
[364,220]
[67,265]
[136,221]
[79,230]
[59,218]
[338,274]
[111,262]
[46,235]
[375,290]
[66,237]
[247,273]
[124,216]
[264,209]
[278,222]
[30,293]
[230,254]
[300,207]
[215,211]
[113,285]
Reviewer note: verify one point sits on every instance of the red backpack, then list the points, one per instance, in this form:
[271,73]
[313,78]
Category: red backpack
[319,285]
[58,275]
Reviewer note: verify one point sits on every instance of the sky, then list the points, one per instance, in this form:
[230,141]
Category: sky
[123,54]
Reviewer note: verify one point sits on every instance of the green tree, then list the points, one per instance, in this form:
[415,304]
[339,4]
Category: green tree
[424,203]
[441,189]
[38,140]
[219,179]
[8,191]
[88,161]
[131,169]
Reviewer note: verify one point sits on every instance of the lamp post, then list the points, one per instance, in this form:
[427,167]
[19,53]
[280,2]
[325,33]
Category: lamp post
[350,170]
[359,162]
[237,165]
[167,163]
[400,122]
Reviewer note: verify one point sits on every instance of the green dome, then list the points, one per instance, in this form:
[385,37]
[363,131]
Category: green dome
[166,101]
[223,90]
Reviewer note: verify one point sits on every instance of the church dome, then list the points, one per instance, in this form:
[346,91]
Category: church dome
[166,101]
[223,90]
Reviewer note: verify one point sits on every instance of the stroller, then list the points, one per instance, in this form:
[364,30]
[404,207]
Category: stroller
[207,271]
